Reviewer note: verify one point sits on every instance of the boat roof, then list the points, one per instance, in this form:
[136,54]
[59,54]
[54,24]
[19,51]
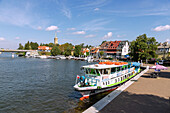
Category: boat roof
[102,66]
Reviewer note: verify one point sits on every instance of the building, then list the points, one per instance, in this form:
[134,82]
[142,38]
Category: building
[85,51]
[55,39]
[44,48]
[72,51]
[115,48]
[163,47]
[95,52]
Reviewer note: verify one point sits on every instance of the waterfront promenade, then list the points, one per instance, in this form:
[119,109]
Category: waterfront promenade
[146,95]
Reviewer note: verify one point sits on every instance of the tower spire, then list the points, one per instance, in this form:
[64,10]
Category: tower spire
[55,33]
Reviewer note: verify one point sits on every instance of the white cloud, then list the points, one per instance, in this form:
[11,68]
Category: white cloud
[90,36]
[71,29]
[51,28]
[17,38]
[162,28]
[39,28]
[79,32]
[2,38]
[96,9]
[167,40]
[109,34]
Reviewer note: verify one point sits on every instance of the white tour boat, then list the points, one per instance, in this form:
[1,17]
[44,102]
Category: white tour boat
[104,76]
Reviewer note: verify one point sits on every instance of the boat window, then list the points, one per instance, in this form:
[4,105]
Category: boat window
[106,71]
[97,71]
[108,82]
[123,67]
[100,71]
[118,69]
[115,80]
[113,70]
[87,71]
[92,71]
[121,78]
[128,66]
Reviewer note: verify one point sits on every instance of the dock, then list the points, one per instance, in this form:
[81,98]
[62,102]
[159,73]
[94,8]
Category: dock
[144,95]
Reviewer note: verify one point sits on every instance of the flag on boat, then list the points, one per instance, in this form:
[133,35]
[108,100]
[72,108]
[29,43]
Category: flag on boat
[78,76]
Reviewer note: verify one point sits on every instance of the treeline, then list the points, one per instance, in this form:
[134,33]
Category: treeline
[64,49]
[67,48]
[29,46]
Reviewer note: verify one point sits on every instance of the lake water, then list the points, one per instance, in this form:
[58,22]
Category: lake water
[37,85]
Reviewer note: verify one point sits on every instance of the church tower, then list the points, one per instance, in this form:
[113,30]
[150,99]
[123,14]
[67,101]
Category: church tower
[55,39]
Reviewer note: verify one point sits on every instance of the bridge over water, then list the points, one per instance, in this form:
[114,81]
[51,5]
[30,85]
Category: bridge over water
[28,52]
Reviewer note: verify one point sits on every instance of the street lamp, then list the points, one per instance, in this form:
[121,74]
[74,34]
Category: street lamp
[164,44]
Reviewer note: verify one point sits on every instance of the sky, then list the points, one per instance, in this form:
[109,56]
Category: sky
[82,21]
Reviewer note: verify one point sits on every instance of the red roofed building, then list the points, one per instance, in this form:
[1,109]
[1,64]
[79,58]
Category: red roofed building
[115,48]
[85,51]
[94,51]
[44,48]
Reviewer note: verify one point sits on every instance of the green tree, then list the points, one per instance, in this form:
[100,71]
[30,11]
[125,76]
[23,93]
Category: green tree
[51,44]
[21,46]
[55,51]
[77,50]
[103,42]
[34,45]
[66,49]
[27,46]
[101,53]
[143,48]
[87,53]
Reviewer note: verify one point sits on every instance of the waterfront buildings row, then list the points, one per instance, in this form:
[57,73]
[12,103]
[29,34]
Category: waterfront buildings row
[116,49]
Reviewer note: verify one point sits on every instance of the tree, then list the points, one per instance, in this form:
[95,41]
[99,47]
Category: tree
[21,46]
[55,51]
[77,50]
[101,53]
[34,45]
[143,48]
[103,42]
[66,49]
[27,46]
[51,44]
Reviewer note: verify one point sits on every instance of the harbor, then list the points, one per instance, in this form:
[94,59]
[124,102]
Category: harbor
[84,56]
[146,94]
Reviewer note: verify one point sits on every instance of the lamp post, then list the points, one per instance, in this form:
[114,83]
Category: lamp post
[164,49]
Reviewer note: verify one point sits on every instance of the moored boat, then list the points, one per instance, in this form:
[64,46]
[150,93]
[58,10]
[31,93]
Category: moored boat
[105,76]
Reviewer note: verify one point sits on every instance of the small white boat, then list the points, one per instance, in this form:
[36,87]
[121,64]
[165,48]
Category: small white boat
[60,57]
[90,59]
[43,57]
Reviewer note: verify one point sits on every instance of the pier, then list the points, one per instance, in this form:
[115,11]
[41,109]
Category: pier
[31,52]
[144,95]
